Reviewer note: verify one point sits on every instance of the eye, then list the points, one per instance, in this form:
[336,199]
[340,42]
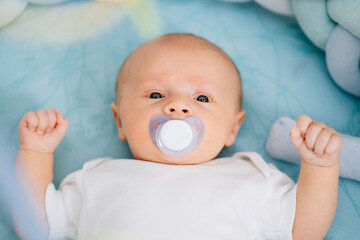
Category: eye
[156,95]
[202,98]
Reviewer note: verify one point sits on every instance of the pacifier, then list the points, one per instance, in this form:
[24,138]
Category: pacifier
[176,137]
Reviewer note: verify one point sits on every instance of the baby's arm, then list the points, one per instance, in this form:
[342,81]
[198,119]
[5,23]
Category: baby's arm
[39,135]
[317,187]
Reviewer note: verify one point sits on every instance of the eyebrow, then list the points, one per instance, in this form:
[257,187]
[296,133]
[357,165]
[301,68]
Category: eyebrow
[197,81]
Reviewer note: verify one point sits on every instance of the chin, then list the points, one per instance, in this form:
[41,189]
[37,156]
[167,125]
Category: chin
[189,159]
[157,156]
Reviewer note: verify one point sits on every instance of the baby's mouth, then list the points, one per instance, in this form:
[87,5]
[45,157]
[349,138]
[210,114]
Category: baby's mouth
[176,137]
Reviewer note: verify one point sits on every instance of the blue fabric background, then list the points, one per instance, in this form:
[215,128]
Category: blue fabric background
[283,73]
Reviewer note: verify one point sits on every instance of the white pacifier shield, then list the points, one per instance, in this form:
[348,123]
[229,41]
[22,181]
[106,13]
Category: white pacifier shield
[176,135]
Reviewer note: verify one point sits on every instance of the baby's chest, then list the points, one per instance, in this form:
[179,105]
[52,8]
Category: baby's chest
[185,196]
[187,207]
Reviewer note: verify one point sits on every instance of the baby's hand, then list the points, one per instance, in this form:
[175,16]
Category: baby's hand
[42,131]
[318,144]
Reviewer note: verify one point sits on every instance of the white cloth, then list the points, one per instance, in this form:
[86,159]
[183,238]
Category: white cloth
[240,197]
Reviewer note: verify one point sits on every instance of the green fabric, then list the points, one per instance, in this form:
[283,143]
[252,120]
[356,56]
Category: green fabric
[346,13]
[313,19]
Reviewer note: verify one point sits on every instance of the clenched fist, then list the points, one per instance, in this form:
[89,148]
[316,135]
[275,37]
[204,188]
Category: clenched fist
[42,131]
[318,144]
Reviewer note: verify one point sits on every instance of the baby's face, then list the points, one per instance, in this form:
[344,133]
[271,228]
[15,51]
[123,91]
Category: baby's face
[178,83]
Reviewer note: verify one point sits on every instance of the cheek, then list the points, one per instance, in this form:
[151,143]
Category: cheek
[136,130]
[136,126]
[216,129]
[132,115]
[135,123]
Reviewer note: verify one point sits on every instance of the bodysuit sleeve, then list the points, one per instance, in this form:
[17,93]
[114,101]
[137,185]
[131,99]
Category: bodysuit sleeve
[273,203]
[63,206]
[276,211]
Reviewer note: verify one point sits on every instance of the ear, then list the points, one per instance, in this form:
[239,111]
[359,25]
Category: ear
[239,118]
[115,111]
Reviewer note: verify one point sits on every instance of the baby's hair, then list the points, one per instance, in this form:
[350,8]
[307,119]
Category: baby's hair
[182,40]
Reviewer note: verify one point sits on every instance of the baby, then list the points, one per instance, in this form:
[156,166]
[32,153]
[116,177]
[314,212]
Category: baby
[178,103]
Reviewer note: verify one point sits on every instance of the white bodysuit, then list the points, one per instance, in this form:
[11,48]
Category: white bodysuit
[240,197]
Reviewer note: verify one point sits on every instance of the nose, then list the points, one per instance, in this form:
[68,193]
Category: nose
[177,108]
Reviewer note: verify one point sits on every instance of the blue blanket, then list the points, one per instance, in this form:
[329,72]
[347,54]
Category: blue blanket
[67,56]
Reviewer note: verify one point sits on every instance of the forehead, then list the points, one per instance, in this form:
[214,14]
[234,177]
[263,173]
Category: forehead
[203,64]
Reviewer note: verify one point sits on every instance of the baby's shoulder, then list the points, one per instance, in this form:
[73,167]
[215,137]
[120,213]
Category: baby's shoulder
[95,163]
[254,159]
[269,171]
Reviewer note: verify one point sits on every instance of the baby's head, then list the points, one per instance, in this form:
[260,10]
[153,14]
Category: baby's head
[179,76]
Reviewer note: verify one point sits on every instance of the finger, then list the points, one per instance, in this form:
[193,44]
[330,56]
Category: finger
[303,123]
[43,121]
[322,140]
[52,119]
[312,133]
[295,137]
[59,117]
[64,126]
[29,121]
[299,143]
[335,143]
[61,123]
